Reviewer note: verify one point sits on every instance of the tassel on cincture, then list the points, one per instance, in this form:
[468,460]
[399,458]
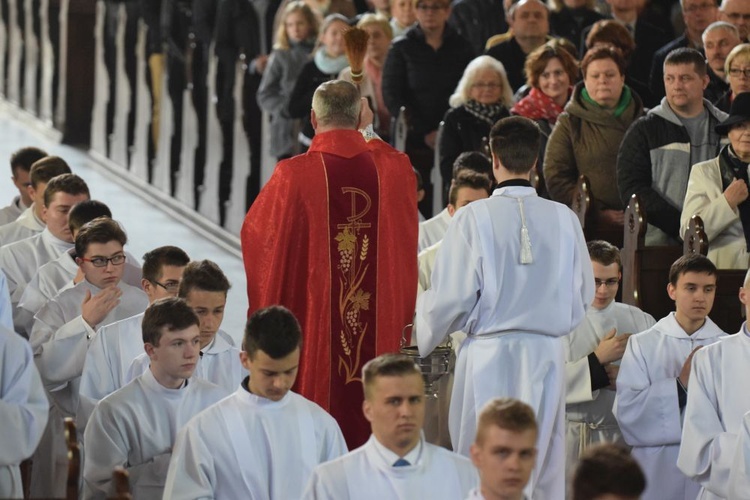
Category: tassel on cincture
[526,256]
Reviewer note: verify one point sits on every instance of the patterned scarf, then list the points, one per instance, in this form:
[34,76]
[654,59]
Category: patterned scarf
[538,106]
[490,113]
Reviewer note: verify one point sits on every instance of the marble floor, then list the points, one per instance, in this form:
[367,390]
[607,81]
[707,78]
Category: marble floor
[148,223]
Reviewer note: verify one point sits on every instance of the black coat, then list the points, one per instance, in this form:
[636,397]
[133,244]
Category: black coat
[300,100]
[570,23]
[478,20]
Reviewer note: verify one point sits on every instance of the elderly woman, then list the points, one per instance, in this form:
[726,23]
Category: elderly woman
[482,97]
[737,70]
[588,135]
[380,35]
[718,192]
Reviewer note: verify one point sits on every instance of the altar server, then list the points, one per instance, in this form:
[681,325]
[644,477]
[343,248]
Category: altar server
[204,287]
[20,165]
[115,346]
[652,386]
[264,440]
[592,356]
[523,282]
[135,427]
[396,462]
[716,405]
[23,410]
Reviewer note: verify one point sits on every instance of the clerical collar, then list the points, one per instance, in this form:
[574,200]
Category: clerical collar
[514,182]
[414,456]
[261,401]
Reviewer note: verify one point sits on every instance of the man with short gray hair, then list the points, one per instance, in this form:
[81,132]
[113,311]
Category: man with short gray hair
[718,41]
[332,237]
[736,12]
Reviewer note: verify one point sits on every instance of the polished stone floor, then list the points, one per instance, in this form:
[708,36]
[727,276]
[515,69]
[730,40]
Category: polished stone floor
[147,225]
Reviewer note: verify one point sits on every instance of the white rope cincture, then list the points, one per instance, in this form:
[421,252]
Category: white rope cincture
[526,257]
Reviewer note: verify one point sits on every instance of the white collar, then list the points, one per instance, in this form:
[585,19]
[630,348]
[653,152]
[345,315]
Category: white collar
[151,383]
[414,456]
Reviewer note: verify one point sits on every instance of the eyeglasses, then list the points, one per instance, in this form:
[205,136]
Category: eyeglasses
[610,283]
[486,85]
[432,7]
[695,8]
[116,260]
[737,72]
[170,286]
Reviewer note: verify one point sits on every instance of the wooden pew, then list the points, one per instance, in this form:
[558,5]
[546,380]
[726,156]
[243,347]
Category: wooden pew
[74,460]
[646,271]
[581,205]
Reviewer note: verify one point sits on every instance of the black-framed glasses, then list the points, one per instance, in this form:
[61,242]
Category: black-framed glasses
[612,282]
[170,286]
[116,260]
[736,72]
[433,7]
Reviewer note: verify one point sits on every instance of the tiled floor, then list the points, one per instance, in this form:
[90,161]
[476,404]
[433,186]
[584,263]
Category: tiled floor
[147,226]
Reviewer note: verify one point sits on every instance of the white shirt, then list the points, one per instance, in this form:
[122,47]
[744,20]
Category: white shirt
[219,363]
[647,406]
[717,402]
[25,226]
[433,229]
[247,446]
[11,212]
[23,410]
[365,474]
[135,427]
[60,338]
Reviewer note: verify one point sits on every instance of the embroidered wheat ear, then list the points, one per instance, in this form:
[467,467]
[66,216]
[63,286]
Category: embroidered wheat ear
[345,345]
[365,246]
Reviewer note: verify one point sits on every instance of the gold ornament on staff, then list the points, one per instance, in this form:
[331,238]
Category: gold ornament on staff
[355,43]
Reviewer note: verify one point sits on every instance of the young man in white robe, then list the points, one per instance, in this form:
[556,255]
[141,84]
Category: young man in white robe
[204,286]
[524,281]
[716,405]
[65,325]
[31,220]
[652,385]
[22,259]
[433,229]
[23,410]
[115,346]
[504,451]
[63,272]
[607,471]
[592,356]
[264,440]
[20,165]
[135,427]
[396,462]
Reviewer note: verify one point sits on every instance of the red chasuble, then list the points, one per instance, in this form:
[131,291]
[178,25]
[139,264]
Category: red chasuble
[333,237]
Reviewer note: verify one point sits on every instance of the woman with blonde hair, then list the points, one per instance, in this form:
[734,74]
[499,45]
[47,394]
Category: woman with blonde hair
[482,97]
[294,42]
[737,70]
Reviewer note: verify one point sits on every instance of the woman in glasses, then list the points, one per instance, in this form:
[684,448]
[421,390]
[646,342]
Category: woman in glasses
[737,71]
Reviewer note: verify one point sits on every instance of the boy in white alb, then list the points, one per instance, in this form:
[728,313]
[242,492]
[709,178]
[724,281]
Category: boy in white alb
[264,440]
[504,451]
[204,287]
[396,462]
[716,405]
[135,427]
[592,356]
[115,346]
[20,164]
[652,384]
[513,274]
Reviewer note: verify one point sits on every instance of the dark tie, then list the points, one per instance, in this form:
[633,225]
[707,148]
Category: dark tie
[400,463]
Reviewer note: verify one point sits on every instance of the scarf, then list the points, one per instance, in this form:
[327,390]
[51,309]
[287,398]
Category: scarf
[625,98]
[538,106]
[731,167]
[489,113]
[330,65]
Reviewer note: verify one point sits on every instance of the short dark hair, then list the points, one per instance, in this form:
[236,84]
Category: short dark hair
[24,158]
[605,253]
[171,313]
[474,161]
[86,211]
[65,183]
[99,230]
[387,365]
[204,275]
[273,330]
[685,55]
[156,259]
[470,179]
[515,142]
[607,468]
[505,413]
[47,168]
[601,52]
[611,32]
[694,262]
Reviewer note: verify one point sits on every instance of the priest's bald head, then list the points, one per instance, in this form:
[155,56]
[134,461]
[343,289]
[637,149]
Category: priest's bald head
[337,105]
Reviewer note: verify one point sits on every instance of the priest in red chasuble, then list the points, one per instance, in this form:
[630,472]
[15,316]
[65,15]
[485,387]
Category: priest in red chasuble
[333,237]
